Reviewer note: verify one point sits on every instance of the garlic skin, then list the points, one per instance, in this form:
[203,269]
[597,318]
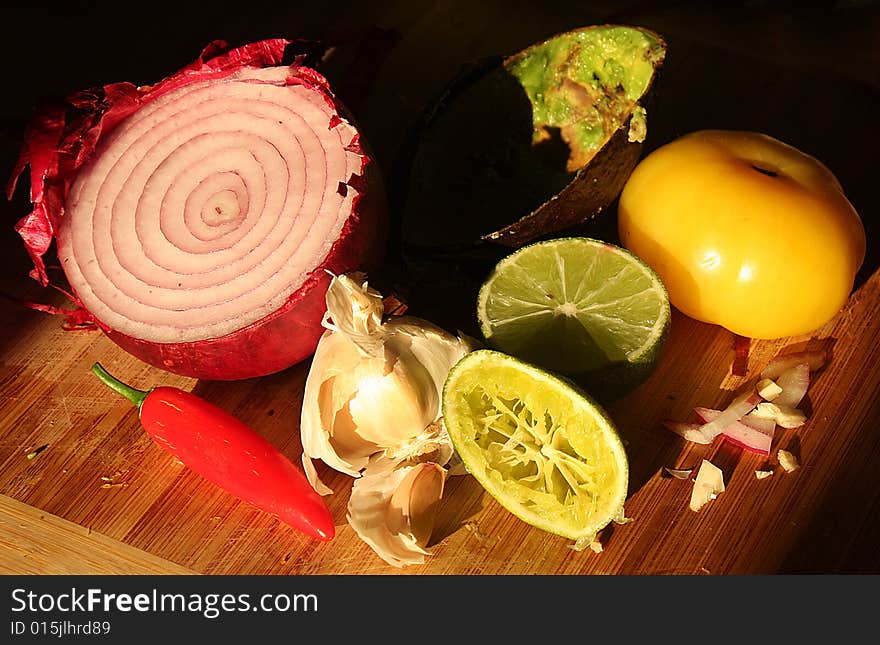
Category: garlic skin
[373,393]
[394,511]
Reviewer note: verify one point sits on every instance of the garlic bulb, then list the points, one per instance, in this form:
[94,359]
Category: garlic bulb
[371,409]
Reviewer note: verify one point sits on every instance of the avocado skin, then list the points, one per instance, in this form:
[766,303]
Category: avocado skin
[593,189]
[444,238]
[470,174]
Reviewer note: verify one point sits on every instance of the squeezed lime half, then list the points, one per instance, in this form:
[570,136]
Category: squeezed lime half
[581,307]
[539,445]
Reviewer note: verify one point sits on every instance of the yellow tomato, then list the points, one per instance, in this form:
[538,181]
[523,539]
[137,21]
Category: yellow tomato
[746,232]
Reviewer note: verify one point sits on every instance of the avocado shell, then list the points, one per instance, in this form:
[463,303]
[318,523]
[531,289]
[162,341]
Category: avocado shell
[473,176]
[594,187]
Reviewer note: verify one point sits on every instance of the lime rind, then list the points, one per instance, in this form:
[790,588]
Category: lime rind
[578,306]
[544,449]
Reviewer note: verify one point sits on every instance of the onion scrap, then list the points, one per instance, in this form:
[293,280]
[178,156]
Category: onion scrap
[751,419]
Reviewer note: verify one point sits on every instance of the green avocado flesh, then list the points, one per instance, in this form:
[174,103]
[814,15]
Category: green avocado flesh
[501,145]
[586,83]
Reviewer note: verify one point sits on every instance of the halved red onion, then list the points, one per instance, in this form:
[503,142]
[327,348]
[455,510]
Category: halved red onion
[197,219]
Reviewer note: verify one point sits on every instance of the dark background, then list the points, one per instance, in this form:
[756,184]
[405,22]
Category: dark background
[806,73]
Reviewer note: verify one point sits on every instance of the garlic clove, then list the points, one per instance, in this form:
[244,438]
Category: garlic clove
[413,506]
[394,511]
[433,348]
[326,431]
[374,387]
[388,409]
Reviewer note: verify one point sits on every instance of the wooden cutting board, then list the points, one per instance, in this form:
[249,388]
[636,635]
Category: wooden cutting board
[100,497]
[127,506]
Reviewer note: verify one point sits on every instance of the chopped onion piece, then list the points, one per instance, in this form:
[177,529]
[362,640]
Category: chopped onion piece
[794,383]
[815,359]
[768,389]
[763,474]
[767,426]
[782,415]
[739,433]
[689,431]
[740,407]
[679,473]
[707,486]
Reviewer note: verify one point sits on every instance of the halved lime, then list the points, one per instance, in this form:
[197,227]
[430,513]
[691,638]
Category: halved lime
[540,446]
[582,307]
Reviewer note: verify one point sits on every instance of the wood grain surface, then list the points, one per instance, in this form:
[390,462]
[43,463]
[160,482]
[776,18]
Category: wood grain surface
[38,543]
[100,497]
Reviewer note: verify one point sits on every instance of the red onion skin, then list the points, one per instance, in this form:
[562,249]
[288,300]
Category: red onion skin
[61,138]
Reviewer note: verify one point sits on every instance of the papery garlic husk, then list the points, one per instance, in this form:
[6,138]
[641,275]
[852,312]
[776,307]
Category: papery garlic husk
[394,511]
[433,445]
[373,393]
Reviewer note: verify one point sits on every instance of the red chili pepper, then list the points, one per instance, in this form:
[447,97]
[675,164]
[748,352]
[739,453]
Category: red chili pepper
[226,452]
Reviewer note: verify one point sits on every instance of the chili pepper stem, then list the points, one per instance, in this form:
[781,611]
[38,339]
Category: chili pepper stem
[135,396]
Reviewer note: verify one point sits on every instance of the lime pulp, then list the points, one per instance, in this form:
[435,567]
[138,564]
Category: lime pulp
[541,447]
